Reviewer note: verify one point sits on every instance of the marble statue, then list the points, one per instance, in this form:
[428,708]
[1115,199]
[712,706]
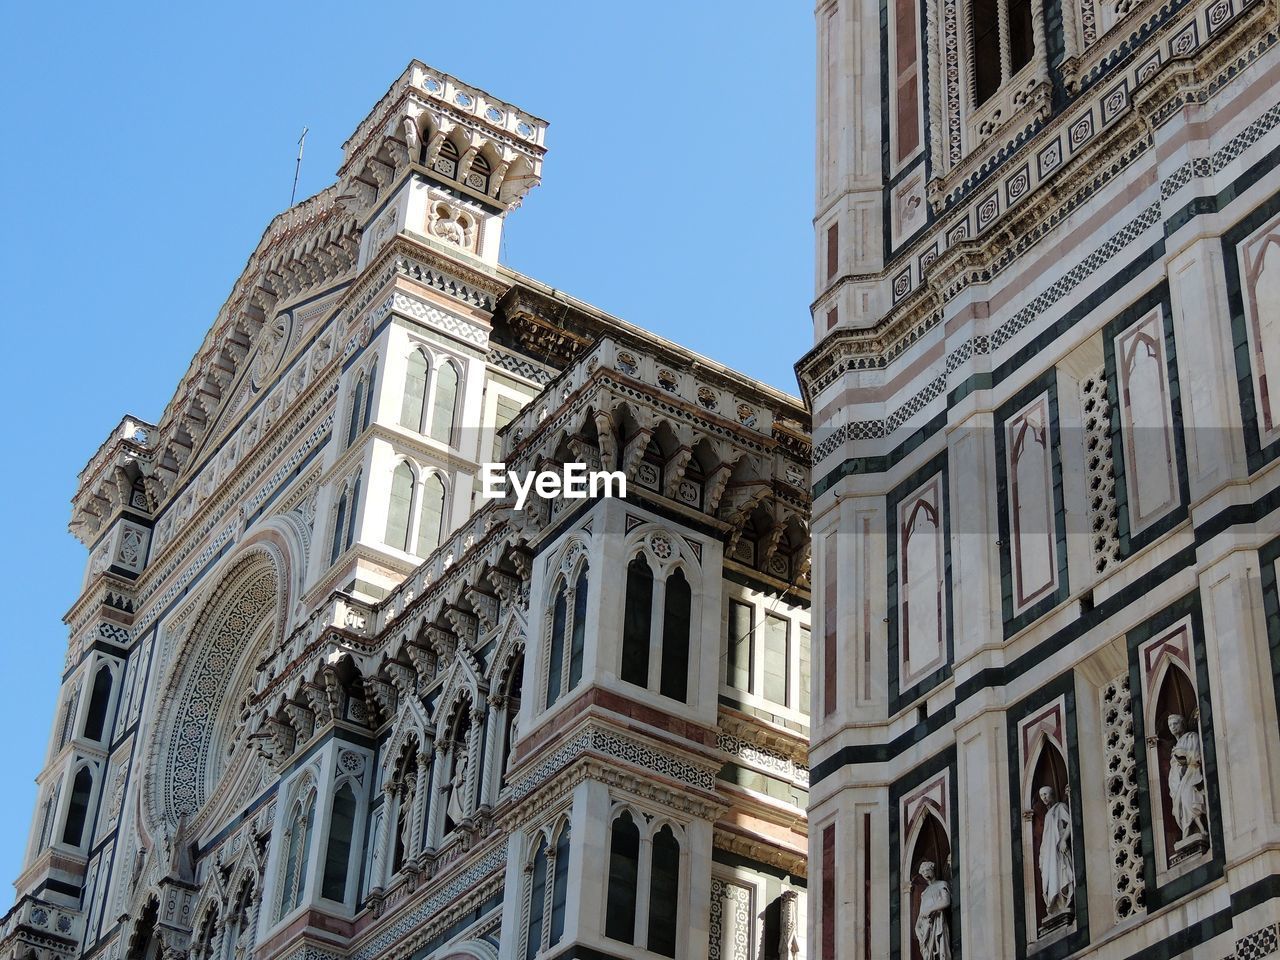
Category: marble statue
[1186,781]
[933,928]
[1057,872]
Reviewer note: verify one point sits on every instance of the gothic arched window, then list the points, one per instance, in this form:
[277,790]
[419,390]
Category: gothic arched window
[400,508]
[664,893]
[431,521]
[446,398]
[351,514]
[537,900]
[337,860]
[297,852]
[357,412]
[478,175]
[568,636]
[559,886]
[339,528]
[675,638]
[99,699]
[413,406]
[78,807]
[636,619]
[624,869]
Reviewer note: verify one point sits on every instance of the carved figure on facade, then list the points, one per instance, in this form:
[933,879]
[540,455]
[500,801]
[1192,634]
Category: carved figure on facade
[1186,784]
[1057,871]
[933,922]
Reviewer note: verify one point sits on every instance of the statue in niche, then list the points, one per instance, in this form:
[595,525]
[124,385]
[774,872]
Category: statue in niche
[513,734]
[933,926]
[1186,783]
[1057,871]
[411,138]
[454,810]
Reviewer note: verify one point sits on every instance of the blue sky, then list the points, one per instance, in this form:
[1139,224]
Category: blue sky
[148,146]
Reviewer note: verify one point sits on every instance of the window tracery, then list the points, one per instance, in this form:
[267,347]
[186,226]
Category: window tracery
[657,620]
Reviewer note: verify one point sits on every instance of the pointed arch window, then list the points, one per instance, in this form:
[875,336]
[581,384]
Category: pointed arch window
[444,403]
[400,509]
[297,852]
[664,893]
[478,175]
[559,886]
[568,636]
[624,871]
[431,523]
[537,900]
[636,619]
[675,638]
[339,528]
[350,537]
[446,161]
[99,699]
[357,411]
[78,808]
[657,616]
[650,918]
[413,405]
[337,861]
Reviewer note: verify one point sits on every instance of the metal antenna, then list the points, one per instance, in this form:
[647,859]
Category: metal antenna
[302,143]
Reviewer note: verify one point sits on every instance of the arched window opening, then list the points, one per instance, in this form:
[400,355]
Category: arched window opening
[339,529]
[1022,45]
[351,514]
[675,639]
[555,664]
[96,717]
[357,411]
[664,893]
[636,616]
[238,938]
[337,858]
[413,405]
[78,808]
[400,508]
[431,522]
[368,398]
[578,632]
[559,886]
[205,935]
[624,868]
[537,901]
[442,414]
[297,850]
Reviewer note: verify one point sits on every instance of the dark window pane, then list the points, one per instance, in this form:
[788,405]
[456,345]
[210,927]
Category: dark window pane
[560,886]
[579,629]
[338,856]
[624,862]
[537,902]
[431,521]
[78,808]
[556,660]
[664,893]
[338,528]
[986,49]
[357,412]
[675,638]
[1022,44]
[635,623]
[96,719]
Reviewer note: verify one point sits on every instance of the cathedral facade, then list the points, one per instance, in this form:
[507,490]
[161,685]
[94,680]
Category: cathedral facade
[324,697]
[1045,519]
